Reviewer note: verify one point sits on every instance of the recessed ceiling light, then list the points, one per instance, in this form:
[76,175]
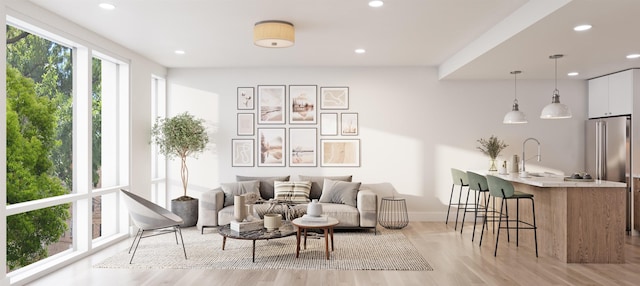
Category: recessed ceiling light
[633,56]
[360,51]
[376,3]
[179,52]
[573,74]
[582,27]
[107,6]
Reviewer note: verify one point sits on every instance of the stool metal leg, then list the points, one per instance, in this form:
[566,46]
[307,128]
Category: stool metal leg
[458,208]
[535,228]
[502,206]
[449,208]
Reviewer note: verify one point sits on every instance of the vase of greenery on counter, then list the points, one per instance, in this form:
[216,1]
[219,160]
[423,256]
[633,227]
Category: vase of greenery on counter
[492,148]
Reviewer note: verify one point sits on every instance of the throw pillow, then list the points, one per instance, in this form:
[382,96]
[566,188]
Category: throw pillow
[239,188]
[297,192]
[339,192]
[317,183]
[266,184]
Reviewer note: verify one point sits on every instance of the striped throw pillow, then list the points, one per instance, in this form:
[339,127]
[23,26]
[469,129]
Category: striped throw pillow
[297,192]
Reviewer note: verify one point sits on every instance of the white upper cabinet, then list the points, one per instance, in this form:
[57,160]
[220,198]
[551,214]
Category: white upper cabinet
[611,95]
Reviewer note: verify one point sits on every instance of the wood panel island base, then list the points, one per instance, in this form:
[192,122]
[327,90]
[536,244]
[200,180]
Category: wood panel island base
[577,222]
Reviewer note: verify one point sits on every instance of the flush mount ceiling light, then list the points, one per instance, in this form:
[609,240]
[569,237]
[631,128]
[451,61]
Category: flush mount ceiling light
[515,116]
[633,56]
[555,110]
[273,34]
[360,51]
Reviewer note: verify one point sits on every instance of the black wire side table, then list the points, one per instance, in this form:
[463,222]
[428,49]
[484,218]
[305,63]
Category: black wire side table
[393,213]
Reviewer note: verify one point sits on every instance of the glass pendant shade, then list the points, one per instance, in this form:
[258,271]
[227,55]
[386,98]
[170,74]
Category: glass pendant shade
[555,110]
[515,116]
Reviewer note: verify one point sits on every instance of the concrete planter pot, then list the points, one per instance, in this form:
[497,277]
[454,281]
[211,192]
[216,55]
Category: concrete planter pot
[187,210]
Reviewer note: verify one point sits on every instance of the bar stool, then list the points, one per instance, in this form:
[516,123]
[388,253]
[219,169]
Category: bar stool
[478,183]
[501,188]
[459,179]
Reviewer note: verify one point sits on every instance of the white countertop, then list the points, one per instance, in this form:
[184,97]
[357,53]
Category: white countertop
[546,180]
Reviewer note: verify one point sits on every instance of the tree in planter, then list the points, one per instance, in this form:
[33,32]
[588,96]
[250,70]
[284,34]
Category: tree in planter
[180,136]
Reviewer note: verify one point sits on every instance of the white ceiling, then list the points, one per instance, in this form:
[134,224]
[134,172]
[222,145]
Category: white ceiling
[465,39]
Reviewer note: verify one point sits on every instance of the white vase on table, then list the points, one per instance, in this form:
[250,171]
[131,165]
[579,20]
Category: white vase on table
[314,208]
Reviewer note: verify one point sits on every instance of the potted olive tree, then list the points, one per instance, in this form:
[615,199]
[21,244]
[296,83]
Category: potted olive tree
[181,136]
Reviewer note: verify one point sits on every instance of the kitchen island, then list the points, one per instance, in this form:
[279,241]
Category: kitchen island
[578,222]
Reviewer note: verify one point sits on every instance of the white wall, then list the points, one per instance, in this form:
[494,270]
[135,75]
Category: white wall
[413,128]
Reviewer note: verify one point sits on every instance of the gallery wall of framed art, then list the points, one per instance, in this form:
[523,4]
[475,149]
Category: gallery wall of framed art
[295,125]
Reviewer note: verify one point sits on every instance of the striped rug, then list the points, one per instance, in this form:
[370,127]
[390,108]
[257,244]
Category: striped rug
[354,250]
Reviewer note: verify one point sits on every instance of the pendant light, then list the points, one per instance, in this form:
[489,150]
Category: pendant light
[555,110]
[515,116]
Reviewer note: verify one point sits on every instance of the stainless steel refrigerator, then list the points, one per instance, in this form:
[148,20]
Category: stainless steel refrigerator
[608,152]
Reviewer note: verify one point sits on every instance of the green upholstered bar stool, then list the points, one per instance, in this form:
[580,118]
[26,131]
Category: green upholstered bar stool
[503,189]
[459,179]
[478,184]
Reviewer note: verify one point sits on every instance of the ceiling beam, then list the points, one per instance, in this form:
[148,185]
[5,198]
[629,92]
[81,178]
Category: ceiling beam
[525,16]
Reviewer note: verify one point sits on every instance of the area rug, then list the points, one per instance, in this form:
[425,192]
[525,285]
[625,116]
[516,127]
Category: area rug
[389,250]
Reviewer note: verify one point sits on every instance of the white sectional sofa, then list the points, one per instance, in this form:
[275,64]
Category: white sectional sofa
[354,209]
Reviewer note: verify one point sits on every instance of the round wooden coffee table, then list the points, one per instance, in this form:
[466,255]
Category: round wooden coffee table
[326,226]
[285,230]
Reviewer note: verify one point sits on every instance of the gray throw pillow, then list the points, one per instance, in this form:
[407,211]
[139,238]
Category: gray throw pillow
[317,183]
[339,192]
[252,188]
[266,184]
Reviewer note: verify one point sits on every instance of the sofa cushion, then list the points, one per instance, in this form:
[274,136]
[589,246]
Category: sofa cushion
[251,188]
[339,192]
[317,183]
[266,184]
[297,192]
[347,216]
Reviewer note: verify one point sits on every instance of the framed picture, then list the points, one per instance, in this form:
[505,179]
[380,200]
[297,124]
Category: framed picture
[246,98]
[271,147]
[302,104]
[245,124]
[303,147]
[340,152]
[349,123]
[271,104]
[328,124]
[242,152]
[334,98]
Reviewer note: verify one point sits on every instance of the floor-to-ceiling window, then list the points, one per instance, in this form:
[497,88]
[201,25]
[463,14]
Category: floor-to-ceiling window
[67,147]
[158,161]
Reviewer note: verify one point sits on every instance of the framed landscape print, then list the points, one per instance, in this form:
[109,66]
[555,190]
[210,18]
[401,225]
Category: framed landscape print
[242,152]
[302,147]
[246,98]
[271,147]
[340,152]
[329,124]
[245,124]
[349,123]
[334,98]
[271,104]
[302,104]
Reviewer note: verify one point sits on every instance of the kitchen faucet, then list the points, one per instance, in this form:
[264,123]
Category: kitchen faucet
[524,158]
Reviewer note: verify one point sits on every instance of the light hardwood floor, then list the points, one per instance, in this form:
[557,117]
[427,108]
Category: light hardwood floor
[456,260]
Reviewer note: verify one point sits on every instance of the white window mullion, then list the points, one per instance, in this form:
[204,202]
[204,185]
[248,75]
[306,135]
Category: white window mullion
[82,129]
